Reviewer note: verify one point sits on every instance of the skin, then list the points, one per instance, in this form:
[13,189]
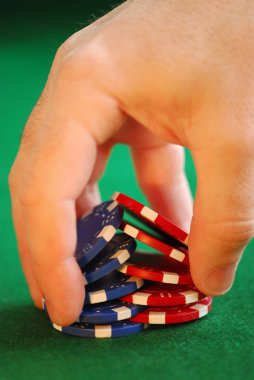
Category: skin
[156,76]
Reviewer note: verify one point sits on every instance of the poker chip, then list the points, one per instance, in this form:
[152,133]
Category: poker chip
[112,286]
[178,314]
[156,267]
[159,294]
[155,243]
[115,253]
[96,229]
[152,230]
[116,329]
[151,216]
[108,312]
[127,290]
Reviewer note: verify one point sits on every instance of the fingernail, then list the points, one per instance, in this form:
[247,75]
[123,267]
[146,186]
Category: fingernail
[221,279]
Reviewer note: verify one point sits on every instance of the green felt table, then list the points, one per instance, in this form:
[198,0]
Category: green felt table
[220,346]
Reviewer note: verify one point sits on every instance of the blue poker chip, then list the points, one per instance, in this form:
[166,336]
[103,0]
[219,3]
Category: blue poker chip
[115,253]
[96,229]
[116,329]
[108,312]
[112,286]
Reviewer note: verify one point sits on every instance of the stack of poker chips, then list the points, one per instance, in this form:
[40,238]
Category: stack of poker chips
[126,289]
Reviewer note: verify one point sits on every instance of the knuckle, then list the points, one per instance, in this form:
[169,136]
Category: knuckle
[235,148]
[27,198]
[62,52]
[69,66]
[238,142]
[13,178]
[151,184]
[82,62]
[29,195]
[64,48]
[233,232]
[171,172]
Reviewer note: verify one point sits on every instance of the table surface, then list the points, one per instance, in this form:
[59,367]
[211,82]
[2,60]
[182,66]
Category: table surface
[219,346]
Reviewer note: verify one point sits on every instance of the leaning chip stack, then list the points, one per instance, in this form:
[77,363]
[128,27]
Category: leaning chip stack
[126,289]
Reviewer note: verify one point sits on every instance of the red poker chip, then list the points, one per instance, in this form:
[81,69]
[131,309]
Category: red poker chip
[156,267]
[170,315]
[159,294]
[152,217]
[155,243]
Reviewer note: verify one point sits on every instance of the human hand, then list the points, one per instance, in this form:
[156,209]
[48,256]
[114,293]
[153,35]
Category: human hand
[151,75]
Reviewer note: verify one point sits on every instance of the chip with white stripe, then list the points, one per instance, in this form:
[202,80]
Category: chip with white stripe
[114,254]
[96,229]
[108,312]
[156,267]
[159,294]
[156,243]
[175,314]
[113,330]
[112,286]
[152,217]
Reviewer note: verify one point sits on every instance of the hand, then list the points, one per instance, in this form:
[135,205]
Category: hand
[156,76]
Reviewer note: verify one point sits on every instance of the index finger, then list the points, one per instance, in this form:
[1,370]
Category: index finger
[59,161]
[51,189]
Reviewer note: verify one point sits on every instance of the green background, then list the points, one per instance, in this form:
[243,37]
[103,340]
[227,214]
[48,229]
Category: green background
[219,346]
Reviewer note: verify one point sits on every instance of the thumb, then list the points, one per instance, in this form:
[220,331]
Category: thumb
[223,217]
